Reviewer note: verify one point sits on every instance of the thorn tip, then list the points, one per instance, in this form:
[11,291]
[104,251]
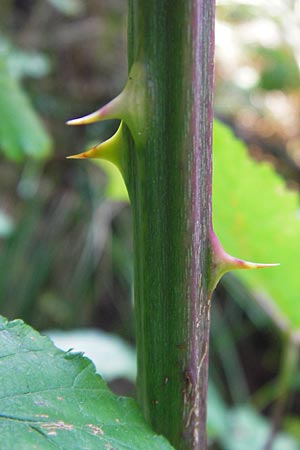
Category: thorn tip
[84,120]
[241,264]
[79,156]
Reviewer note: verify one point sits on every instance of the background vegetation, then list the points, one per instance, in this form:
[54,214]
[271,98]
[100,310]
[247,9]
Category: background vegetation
[65,245]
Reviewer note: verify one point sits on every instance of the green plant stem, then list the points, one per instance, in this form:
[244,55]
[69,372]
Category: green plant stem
[168,176]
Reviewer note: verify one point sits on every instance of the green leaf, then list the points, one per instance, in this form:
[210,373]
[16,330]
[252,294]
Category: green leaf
[257,219]
[21,132]
[51,399]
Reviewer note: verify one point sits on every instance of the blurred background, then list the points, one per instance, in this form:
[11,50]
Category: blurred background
[65,226]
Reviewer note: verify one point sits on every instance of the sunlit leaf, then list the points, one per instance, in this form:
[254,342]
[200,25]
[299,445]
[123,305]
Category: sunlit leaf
[257,218]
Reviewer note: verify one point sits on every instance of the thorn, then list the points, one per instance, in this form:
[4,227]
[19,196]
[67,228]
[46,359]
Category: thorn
[90,154]
[110,150]
[79,156]
[112,110]
[90,118]
[222,262]
[129,106]
[241,264]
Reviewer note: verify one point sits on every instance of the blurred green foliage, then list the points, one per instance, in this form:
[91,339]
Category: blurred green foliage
[21,131]
[279,70]
[53,211]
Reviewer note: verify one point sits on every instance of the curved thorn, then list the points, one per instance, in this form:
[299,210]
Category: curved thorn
[112,110]
[222,262]
[109,150]
[90,118]
[241,264]
[80,155]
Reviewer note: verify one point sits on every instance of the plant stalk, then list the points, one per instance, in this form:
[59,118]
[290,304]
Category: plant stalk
[168,175]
